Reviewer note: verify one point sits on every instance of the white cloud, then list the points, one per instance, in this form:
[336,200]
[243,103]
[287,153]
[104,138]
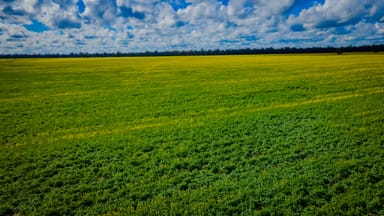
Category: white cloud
[338,12]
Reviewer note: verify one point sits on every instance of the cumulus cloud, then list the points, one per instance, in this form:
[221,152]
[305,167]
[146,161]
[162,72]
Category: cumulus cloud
[335,13]
[64,26]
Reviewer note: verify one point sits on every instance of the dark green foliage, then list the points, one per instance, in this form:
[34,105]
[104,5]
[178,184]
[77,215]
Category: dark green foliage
[244,135]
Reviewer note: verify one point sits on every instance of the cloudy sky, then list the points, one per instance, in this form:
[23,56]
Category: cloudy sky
[65,26]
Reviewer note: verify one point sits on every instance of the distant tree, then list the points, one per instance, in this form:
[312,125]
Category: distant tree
[202,51]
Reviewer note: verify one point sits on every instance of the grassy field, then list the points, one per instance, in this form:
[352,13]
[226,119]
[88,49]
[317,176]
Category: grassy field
[214,135]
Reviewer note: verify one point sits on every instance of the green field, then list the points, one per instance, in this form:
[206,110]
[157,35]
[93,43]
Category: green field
[213,135]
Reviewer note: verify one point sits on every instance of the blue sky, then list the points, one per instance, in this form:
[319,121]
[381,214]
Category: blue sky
[97,26]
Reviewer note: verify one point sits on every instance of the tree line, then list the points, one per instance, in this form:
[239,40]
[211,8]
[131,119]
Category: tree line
[246,51]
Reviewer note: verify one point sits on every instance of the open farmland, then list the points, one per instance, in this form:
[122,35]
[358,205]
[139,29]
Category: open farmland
[263,134]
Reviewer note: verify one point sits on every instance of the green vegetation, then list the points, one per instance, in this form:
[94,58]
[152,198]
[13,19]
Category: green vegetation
[222,135]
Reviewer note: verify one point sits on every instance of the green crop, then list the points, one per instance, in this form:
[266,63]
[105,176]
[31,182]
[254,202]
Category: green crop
[213,135]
